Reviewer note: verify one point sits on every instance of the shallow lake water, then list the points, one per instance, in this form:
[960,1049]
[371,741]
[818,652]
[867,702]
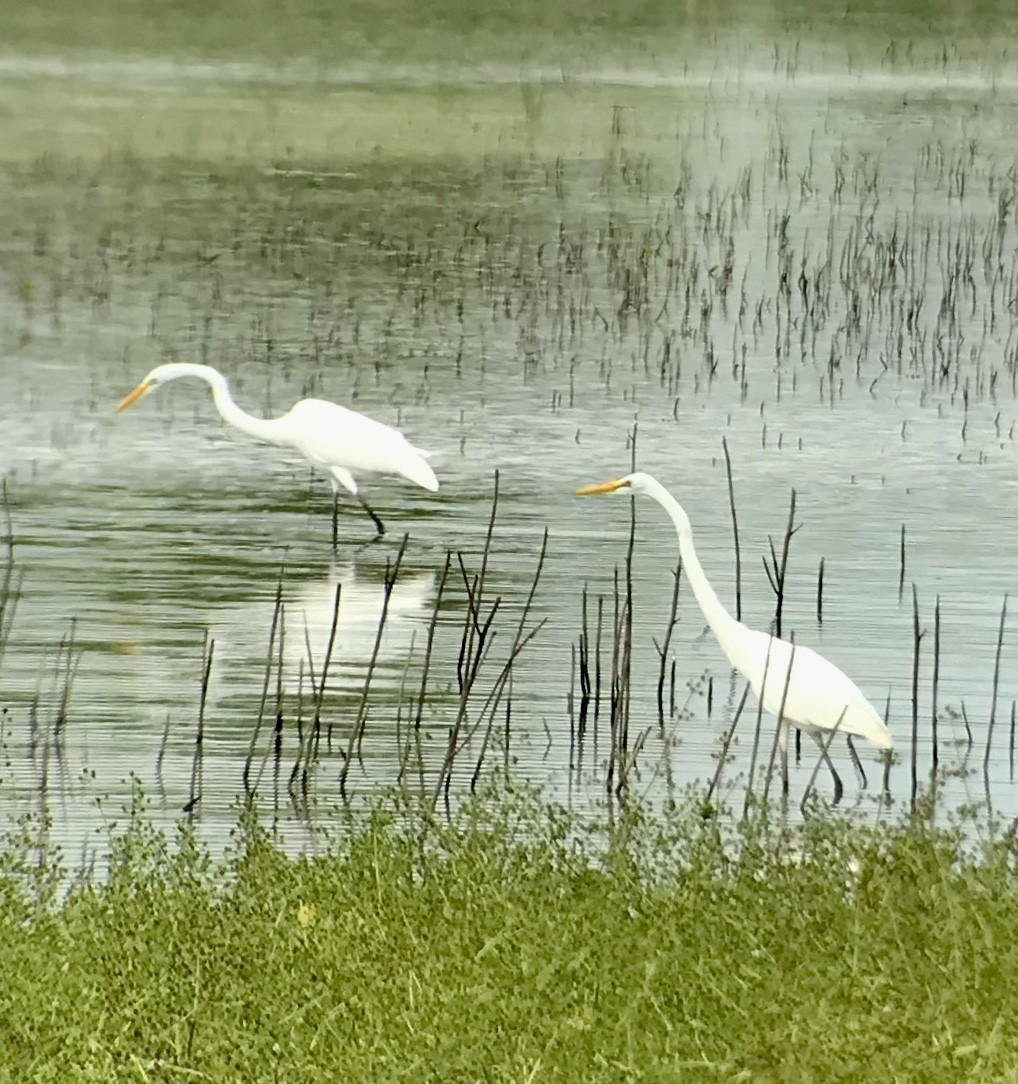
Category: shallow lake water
[812,262]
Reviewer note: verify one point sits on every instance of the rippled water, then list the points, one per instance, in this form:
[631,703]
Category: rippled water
[815,266]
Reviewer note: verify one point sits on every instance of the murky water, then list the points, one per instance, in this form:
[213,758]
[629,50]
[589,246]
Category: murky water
[815,264]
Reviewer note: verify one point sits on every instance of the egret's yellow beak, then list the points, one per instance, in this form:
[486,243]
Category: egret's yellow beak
[601,487]
[132,397]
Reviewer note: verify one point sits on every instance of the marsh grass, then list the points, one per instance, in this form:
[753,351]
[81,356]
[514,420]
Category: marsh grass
[513,945]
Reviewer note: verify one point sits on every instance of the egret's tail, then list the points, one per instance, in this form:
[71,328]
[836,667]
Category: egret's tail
[881,738]
[421,473]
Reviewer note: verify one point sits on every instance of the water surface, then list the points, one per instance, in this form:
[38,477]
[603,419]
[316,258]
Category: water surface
[813,263]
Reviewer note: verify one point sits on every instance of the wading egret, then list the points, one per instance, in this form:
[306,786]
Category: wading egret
[819,697]
[332,438]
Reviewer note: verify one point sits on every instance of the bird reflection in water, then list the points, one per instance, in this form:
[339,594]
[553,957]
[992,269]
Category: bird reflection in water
[242,632]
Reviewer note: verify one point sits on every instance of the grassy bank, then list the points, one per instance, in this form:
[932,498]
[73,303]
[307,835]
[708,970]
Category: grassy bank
[508,948]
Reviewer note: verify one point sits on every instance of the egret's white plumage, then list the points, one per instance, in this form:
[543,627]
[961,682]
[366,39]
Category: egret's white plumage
[819,697]
[338,441]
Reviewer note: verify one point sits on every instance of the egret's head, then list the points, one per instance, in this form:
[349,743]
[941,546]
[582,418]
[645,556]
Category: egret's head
[159,375]
[632,483]
[153,380]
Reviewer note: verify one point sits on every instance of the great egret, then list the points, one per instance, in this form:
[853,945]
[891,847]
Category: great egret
[819,697]
[332,438]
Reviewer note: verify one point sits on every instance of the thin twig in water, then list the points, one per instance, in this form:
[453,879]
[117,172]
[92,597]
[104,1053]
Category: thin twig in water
[357,733]
[291,784]
[901,565]
[780,569]
[10,588]
[426,669]
[722,758]
[432,625]
[777,732]
[756,733]
[1011,745]
[613,717]
[326,662]
[471,657]
[626,656]
[208,649]
[519,642]
[936,684]
[162,750]
[820,593]
[735,532]
[584,660]
[917,637]
[276,607]
[277,741]
[662,648]
[71,663]
[996,684]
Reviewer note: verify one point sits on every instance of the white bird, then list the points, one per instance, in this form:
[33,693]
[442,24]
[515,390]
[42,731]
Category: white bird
[802,688]
[332,438]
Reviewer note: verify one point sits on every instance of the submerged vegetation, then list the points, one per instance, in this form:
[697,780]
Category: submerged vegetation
[514,944]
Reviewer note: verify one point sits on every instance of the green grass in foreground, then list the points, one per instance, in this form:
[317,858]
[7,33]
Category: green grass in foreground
[502,949]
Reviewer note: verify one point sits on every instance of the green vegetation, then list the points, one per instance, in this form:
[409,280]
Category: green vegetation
[356,31]
[467,31]
[512,946]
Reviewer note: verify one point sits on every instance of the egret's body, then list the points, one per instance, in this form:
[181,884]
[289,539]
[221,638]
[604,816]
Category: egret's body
[336,440]
[793,683]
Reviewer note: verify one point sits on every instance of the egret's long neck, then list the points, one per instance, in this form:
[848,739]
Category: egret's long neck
[722,624]
[261,428]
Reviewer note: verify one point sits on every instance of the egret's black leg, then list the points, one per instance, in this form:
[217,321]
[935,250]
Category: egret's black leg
[335,520]
[379,525]
[855,760]
[838,788]
[783,745]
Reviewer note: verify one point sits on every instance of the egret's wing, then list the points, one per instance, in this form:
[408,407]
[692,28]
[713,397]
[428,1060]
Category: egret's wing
[331,435]
[819,695]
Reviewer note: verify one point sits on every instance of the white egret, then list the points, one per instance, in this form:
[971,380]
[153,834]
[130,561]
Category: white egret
[332,438]
[802,688]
